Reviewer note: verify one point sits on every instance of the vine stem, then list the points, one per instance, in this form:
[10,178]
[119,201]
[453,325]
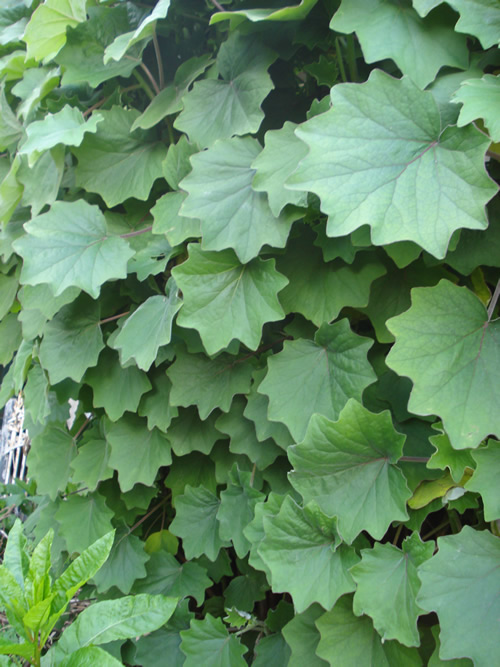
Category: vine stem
[114,317]
[147,72]
[159,63]
[218,5]
[493,301]
[414,459]
[137,232]
[340,60]
[144,85]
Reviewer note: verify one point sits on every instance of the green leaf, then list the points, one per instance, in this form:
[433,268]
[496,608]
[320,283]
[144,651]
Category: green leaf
[136,453]
[319,290]
[45,34]
[11,129]
[224,299]
[275,163]
[351,463]
[209,643]
[125,564]
[232,214]
[122,43]
[207,383]
[485,478]
[90,656]
[232,102]
[168,221]
[110,620]
[90,466]
[11,192]
[362,182]
[435,660]
[448,348]
[15,558]
[177,164]
[480,18]
[317,376]
[236,510]
[446,457]
[169,100]
[300,549]
[390,294]
[166,576]
[188,433]
[67,127]
[480,99]
[117,163]
[82,56]
[152,649]
[70,246]
[256,409]
[419,47]
[148,328]
[243,436]
[460,583]
[351,641]
[155,405]
[83,568]
[83,520]
[429,490]
[116,389]
[392,607]
[197,524]
[35,85]
[303,637]
[290,13]
[272,650]
[72,340]
[42,181]
[49,460]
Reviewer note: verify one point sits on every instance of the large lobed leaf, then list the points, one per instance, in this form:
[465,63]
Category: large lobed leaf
[381,146]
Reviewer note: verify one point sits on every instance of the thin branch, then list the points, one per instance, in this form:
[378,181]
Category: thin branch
[114,317]
[82,428]
[414,459]
[218,5]
[143,85]
[493,301]
[137,232]
[397,535]
[95,106]
[150,77]
[159,63]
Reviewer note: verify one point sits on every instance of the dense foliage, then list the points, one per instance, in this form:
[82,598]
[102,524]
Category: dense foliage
[259,243]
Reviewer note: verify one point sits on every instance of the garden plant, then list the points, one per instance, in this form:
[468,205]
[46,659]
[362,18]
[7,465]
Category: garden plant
[259,243]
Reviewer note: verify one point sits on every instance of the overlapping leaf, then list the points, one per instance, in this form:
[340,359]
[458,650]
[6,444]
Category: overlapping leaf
[419,47]
[351,641]
[233,103]
[317,376]
[117,163]
[392,607]
[451,352]
[480,98]
[460,583]
[148,328]
[224,299]
[207,383]
[232,214]
[300,548]
[369,157]
[136,452]
[350,464]
[70,246]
